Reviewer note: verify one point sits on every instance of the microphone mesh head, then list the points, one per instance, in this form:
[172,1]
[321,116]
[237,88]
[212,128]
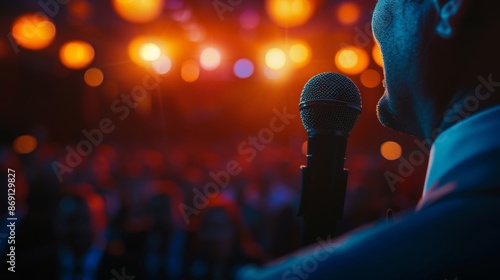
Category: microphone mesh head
[330,102]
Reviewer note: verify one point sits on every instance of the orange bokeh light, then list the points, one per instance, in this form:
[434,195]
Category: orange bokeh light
[371,78]
[145,50]
[79,9]
[377,55]
[348,13]
[76,54]
[300,54]
[190,71]
[275,58]
[391,150]
[138,11]
[25,144]
[149,51]
[93,77]
[290,13]
[33,31]
[352,60]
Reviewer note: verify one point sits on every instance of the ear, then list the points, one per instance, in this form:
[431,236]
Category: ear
[450,13]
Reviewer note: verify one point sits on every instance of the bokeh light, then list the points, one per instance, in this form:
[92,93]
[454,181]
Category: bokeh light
[149,51]
[93,77]
[300,54]
[25,144]
[190,71]
[162,65]
[352,60]
[377,55]
[290,13]
[249,19]
[391,150]
[76,54]
[275,58]
[33,31]
[243,68]
[348,13]
[371,78]
[347,58]
[210,59]
[143,50]
[79,9]
[138,11]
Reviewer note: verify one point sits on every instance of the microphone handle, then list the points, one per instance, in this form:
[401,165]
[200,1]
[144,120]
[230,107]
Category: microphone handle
[324,182]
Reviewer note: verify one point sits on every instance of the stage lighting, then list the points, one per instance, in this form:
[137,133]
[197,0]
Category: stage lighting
[93,77]
[76,54]
[145,50]
[348,13]
[210,59]
[79,9]
[290,13]
[138,11]
[352,60]
[149,52]
[33,31]
[243,68]
[25,144]
[300,54]
[377,55]
[275,58]
[391,150]
[190,71]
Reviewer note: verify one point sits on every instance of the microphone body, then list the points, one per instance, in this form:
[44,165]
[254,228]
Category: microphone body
[330,106]
[324,182]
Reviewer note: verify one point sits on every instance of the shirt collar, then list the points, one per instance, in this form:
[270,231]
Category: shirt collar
[475,135]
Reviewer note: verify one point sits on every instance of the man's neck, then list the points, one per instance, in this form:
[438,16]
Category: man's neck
[466,104]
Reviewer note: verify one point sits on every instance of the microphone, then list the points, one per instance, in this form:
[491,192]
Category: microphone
[330,105]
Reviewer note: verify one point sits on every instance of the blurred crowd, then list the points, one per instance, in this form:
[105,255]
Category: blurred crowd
[118,213]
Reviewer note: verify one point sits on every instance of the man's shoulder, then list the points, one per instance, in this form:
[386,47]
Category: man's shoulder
[456,234]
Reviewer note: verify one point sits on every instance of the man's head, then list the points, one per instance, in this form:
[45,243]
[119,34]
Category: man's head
[433,52]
